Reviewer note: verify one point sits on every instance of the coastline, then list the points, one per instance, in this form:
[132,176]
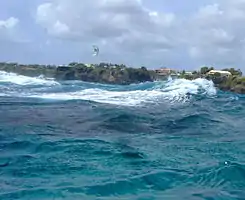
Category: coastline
[123,75]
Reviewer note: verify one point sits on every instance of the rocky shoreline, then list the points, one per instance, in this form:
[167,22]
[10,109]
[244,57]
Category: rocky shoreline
[120,74]
[234,83]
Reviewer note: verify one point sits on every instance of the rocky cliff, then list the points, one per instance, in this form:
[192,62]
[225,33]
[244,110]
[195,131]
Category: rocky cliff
[104,74]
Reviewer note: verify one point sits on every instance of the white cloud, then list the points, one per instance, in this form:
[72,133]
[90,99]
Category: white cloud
[217,33]
[11,31]
[121,24]
[214,34]
[9,23]
[8,29]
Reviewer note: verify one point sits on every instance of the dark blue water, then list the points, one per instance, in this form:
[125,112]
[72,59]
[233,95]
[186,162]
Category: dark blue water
[72,140]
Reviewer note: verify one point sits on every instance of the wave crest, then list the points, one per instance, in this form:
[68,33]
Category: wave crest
[178,90]
[6,77]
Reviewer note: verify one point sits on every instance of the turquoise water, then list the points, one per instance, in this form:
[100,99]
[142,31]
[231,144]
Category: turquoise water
[72,140]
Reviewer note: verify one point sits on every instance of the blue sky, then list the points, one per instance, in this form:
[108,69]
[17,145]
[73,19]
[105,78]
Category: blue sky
[153,33]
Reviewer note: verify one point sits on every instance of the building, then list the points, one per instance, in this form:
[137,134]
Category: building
[164,71]
[223,73]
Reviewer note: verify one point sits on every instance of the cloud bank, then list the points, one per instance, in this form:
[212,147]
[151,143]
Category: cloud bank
[127,31]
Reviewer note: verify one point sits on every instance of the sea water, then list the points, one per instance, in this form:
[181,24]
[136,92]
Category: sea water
[73,140]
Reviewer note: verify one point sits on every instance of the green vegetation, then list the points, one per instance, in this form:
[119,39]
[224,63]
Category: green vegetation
[233,71]
[205,69]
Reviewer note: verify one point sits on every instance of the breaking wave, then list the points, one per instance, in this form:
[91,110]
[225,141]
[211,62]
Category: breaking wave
[13,78]
[178,90]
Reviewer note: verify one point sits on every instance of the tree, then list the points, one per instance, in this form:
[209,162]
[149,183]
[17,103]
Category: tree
[234,72]
[205,69]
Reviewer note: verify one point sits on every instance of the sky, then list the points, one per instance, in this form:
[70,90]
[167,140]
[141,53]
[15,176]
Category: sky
[152,33]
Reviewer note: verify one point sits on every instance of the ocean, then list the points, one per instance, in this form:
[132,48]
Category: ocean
[73,140]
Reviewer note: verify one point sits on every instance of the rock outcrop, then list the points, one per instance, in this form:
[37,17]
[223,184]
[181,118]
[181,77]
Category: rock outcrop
[108,74]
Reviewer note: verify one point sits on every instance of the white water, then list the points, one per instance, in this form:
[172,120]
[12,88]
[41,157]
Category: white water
[24,80]
[179,90]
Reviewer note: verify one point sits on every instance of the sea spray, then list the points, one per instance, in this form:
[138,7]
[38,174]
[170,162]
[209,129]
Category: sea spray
[131,95]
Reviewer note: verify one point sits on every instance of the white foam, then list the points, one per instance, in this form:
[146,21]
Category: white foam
[183,86]
[24,80]
[177,90]
[129,98]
